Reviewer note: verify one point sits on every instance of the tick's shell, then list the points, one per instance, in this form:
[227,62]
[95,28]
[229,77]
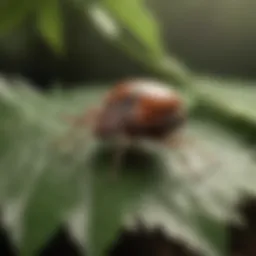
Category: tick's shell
[142,108]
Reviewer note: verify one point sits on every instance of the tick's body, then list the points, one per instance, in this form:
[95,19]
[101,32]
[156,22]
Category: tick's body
[140,109]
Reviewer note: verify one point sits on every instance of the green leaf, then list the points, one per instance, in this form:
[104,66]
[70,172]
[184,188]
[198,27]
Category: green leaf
[132,28]
[163,198]
[45,183]
[56,191]
[229,101]
[135,17]
[240,95]
[102,19]
[50,24]
[153,184]
[108,209]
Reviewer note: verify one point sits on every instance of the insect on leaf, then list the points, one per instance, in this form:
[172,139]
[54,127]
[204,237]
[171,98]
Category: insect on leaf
[152,184]
[190,211]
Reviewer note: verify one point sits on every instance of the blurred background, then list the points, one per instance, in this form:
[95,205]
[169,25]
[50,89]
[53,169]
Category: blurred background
[213,37]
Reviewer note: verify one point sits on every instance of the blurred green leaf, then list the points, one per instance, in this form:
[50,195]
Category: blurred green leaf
[135,17]
[132,28]
[165,194]
[153,184]
[111,199]
[54,193]
[230,102]
[50,24]
[235,98]
[48,188]
[104,21]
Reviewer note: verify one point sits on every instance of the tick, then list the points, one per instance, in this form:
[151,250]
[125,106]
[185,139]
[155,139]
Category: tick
[137,109]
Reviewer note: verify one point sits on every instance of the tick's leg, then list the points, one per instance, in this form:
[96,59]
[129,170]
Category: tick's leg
[121,149]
